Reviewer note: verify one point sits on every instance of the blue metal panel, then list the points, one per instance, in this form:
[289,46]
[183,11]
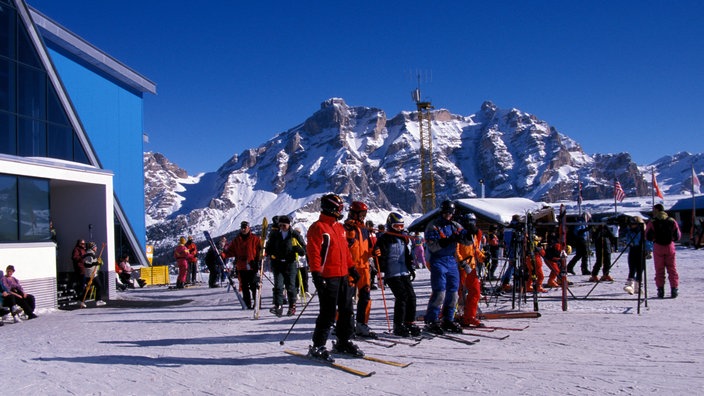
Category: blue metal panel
[112,116]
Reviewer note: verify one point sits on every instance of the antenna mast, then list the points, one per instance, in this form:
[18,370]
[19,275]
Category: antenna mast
[427,181]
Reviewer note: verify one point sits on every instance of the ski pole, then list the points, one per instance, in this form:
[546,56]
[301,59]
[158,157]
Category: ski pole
[383,296]
[298,317]
[300,284]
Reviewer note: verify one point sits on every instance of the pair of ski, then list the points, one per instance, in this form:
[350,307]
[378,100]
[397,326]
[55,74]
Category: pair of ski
[349,369]
[456,337]
[491,329]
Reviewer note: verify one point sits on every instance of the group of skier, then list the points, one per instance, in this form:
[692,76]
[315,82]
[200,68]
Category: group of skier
[343,256]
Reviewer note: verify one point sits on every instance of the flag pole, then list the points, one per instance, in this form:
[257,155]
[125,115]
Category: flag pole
[579,197]
[615,205]
[652,182]
[694,208]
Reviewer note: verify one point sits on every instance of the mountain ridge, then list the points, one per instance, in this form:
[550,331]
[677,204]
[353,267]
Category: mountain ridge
[358,152]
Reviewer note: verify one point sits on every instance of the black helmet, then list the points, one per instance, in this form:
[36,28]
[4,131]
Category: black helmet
[393,218]
[332,205]
[447,207]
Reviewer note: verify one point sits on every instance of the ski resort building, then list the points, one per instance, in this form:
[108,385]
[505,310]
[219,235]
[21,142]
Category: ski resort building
[71,144]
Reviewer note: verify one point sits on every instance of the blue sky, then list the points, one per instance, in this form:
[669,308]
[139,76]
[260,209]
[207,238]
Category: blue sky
[616,76]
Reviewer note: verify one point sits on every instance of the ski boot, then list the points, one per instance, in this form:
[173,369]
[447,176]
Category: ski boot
[661,292]
[363,330]
[278,310]
[291,310]
[347,347]
[434,328]
[401,331]
[674,292]
[451,326]
[413,329]
[629,287]
[320,353]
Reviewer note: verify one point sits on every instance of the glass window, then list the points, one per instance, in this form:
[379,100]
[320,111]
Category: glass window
[7,31]
[25,50]
[79,155]
[7,85]
[8,134]
[34,209]
[31,92]
[59,142]
[55,110]
[8,208]
[32,138]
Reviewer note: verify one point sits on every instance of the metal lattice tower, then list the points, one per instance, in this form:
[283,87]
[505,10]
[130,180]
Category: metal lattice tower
[427,181]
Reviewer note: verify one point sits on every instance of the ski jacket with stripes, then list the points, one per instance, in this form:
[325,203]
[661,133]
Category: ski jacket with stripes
[327,248]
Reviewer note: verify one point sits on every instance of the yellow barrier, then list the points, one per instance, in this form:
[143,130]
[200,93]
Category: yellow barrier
[157,275]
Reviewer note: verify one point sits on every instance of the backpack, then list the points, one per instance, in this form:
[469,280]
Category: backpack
[663,231]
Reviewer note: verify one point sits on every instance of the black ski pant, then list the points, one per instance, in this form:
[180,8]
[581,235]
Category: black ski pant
[603,258]
[405,296]
[635,260]
[335,298]
[213,275]
[285,274]
[193,270]
[581,254]
[248,279]
[27,304]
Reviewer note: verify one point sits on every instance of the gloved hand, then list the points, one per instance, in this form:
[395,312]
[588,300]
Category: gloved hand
[377,252]
[465,266]
[318,281]
[354,274]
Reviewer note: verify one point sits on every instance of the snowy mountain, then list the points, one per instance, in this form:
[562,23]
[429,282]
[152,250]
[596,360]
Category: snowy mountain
[359,153]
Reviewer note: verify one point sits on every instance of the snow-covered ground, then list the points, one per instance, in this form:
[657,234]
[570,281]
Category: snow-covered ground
[197,341]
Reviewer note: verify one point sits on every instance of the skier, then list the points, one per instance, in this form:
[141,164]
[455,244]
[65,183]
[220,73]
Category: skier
[282,255]
[511,240]
[535,265]
[418,252]
[360,245]
[193,260]
[213,264]
[635,238]
[245,248]
[552,260]
[90,261]
[396,264]
[493,241]
[79,269]
[469,256]
[581,233]
[182,257]
[331,266]
[663,231]
[442,236]
[602,244]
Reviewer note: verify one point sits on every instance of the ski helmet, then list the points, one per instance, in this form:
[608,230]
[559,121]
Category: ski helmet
[358,211]
[394,219]
[447,207]
[332,205]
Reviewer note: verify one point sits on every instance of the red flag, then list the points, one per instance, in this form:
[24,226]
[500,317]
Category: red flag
[619,194]
[695,182]
[656,188]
